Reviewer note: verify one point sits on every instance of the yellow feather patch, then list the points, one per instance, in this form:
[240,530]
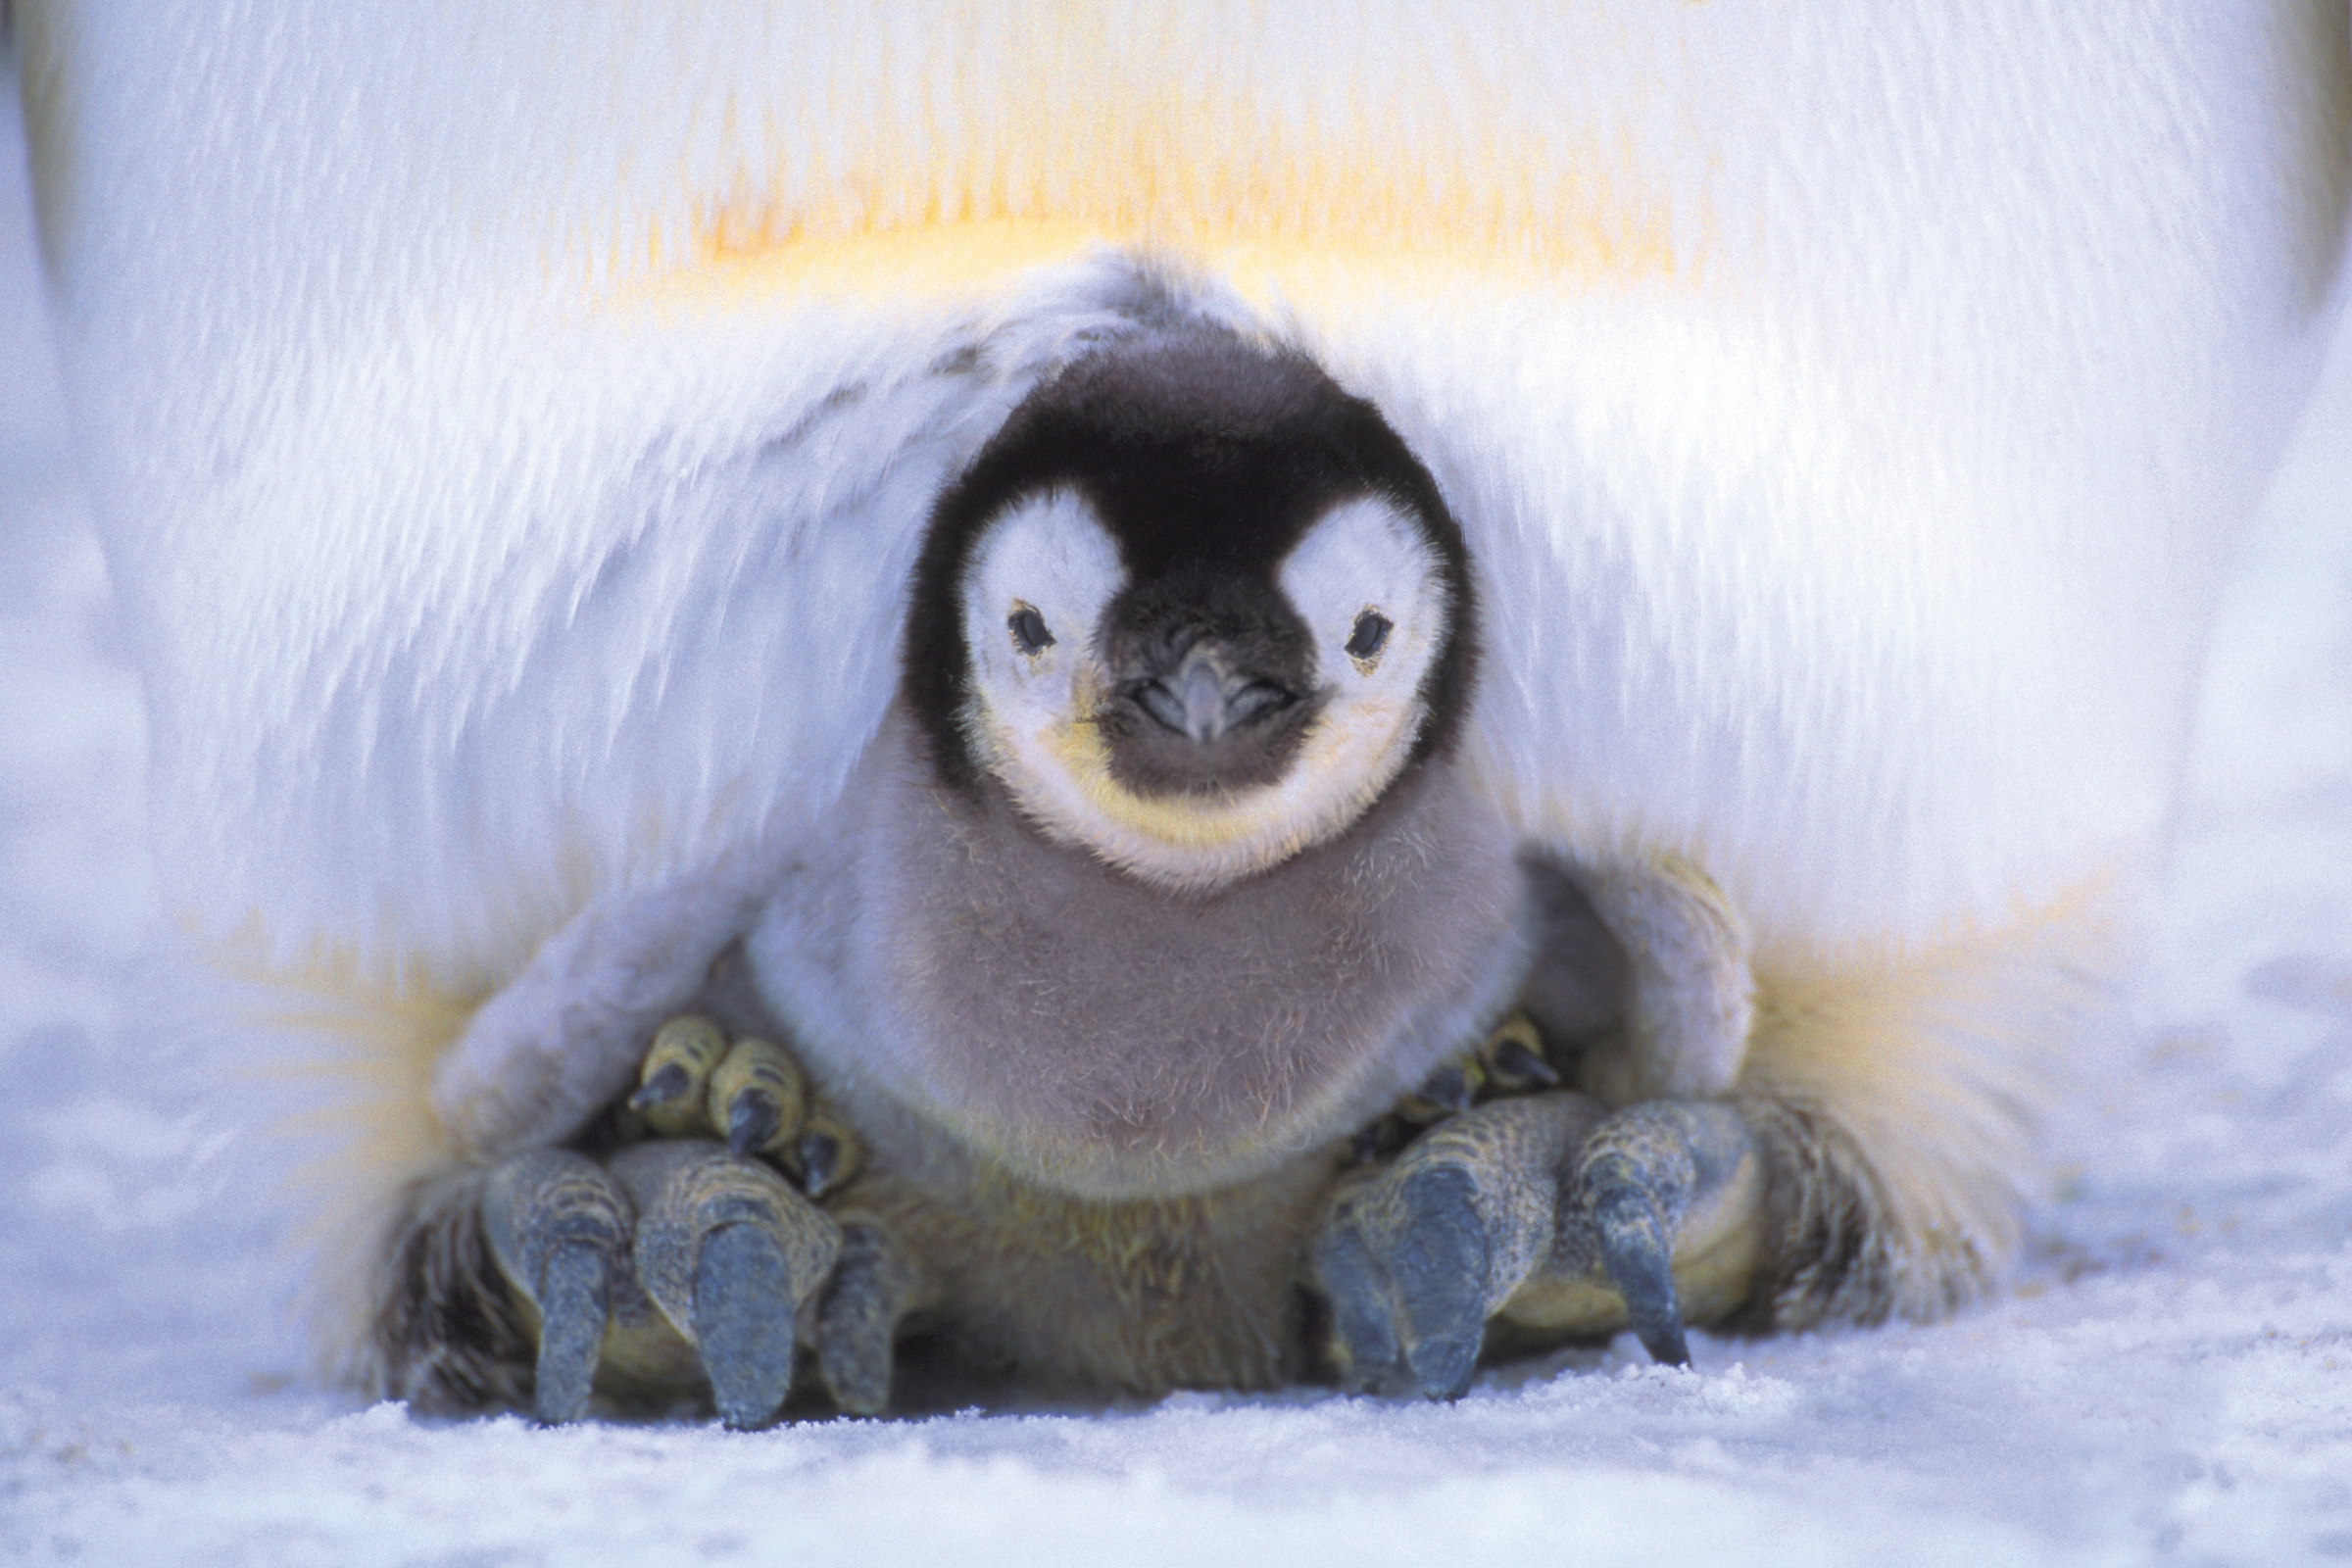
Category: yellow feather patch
[1936,1066]
[934,162]
[355,1050]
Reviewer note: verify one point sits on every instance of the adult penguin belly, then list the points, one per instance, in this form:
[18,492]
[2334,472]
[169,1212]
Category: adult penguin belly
[1849,414]
[1804,384]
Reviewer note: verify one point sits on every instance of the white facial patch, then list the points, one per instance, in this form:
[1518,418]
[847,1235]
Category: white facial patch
[1047,570]
[1369,589]
[1048,557]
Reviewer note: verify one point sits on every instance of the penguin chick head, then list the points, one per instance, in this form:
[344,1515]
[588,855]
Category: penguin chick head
[1194,607]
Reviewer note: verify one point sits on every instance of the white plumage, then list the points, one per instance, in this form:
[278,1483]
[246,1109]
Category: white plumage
[514,432]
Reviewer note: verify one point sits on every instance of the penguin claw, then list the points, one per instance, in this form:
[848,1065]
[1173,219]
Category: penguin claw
[667,1085]
[1543,1210]
[1364,1346]
[1439,1271]
[742,1317]
[753,1119]
[678,1257]
[751,1096]
[575,1303]
[558,1226]
[1515,1058]
[727,1253]
[873,1286]
[1638,1255]
[1517,1064]
[1641,1182]
[818,1155]
[1447,1091]
[678,1063]
[758,1097]
[1404,1260]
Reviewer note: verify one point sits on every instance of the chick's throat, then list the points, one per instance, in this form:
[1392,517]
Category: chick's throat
[1058,769]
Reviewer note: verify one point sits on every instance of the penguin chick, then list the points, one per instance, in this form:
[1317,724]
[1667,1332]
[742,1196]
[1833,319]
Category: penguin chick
[1195,608]
[1161,871]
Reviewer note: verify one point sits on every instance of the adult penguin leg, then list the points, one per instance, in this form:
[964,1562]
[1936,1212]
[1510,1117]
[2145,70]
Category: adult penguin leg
[1545,1208]
[1869,1163]
[729,1252]
[560,1228]
[875,1285]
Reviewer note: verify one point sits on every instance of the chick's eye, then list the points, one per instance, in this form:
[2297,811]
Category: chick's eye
[1371,635]
[1029,633]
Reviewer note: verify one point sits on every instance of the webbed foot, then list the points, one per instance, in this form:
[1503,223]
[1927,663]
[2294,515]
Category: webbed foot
[676,1254]
[1545,1211]
[558,1226]
[695,1253]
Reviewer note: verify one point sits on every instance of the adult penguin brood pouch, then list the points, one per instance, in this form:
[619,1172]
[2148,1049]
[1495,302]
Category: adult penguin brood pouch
[1177,696]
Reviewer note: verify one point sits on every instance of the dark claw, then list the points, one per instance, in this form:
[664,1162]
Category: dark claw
[819,1158]
[1381,1140]
[1513,1060]
[1360,1308]
[574,1301]
[1447,1088]
[855,1324]
[752,1120]
[1439,1272]
[559,1227]
[670,1082]
[1638,1256]
[743,1320]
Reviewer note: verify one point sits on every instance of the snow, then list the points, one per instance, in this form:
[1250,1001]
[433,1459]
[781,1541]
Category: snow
[2170,1375]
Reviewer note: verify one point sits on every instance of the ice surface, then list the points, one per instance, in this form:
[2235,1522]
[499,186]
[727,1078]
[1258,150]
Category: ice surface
[2170,1377]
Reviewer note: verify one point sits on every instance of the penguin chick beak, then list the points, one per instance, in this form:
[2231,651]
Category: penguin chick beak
[1203,697]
